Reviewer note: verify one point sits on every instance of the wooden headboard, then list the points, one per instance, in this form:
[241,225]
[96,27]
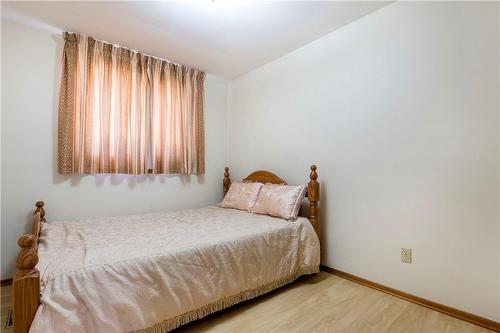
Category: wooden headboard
[263,176]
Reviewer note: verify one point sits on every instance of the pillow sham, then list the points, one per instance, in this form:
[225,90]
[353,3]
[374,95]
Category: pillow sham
[280,201]
[241,196]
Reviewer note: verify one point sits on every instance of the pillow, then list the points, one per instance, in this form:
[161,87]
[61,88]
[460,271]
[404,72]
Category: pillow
[280,200]
[241,196]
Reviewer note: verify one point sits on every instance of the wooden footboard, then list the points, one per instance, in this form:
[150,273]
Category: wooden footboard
[26,284]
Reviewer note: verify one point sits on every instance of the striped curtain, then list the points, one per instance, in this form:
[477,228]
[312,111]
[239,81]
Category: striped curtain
[121,111]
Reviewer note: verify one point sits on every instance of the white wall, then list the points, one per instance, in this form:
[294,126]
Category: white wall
[400,112]
[30,79]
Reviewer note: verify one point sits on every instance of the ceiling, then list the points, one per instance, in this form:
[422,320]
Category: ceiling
[221,37]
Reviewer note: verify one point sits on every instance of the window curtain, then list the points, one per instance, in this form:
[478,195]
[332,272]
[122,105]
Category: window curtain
[121,111]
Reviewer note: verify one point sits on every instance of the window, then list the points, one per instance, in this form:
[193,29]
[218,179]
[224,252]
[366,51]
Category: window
[121,111]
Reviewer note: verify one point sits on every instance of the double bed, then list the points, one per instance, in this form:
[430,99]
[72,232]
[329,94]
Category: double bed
[154,272]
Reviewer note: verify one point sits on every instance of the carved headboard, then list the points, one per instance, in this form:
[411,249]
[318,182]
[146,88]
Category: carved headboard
[263,176]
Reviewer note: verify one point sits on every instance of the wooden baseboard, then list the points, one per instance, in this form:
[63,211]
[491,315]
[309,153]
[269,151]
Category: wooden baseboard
[6,282]
[466,316]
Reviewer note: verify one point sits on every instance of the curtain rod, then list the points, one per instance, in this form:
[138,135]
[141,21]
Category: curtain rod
[127,48]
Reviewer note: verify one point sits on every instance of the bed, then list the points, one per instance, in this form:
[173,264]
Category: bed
[154,272]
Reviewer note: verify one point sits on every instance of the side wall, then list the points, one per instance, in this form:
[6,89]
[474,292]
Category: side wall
[399,110]
[30,80]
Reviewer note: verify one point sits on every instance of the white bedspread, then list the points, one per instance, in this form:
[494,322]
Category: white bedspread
[154,272]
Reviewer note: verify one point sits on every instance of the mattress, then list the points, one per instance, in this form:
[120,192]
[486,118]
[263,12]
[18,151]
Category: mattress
[154,272]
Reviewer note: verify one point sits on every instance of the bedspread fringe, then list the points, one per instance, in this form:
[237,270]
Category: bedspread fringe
[173,323]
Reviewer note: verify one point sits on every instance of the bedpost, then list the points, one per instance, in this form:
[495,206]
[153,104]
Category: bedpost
[39,208]
[226,182]
[313,196]
[26,284]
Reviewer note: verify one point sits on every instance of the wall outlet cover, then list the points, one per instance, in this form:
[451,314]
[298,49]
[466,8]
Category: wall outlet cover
[406,255]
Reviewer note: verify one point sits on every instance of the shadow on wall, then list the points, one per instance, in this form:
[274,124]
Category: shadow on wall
[323,218]
[100,179]
[118,179]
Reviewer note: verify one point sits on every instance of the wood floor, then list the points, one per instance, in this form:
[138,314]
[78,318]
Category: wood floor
[320,303]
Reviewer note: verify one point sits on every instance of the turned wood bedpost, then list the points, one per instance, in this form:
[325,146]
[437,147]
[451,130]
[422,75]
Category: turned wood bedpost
[39,208]
[313,196]
[226,182]
[26,284]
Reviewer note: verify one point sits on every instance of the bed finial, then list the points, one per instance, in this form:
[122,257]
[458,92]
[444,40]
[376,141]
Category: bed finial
[226,182]
[313,196]
[26,284]
[27,258]
[39,208]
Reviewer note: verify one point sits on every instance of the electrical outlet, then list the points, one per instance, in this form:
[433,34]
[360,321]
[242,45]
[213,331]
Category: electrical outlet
[406,255]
